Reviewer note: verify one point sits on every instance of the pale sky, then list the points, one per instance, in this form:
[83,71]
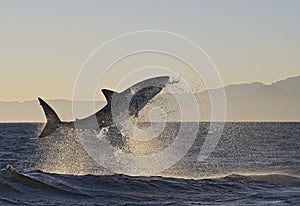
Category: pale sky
[43,44]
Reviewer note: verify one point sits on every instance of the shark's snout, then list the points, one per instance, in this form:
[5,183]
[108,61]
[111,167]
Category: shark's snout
[162,81]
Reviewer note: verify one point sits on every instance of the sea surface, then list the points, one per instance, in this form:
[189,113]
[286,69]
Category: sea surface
[253,164]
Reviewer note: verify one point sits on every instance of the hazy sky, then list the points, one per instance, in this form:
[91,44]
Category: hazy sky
[44,43]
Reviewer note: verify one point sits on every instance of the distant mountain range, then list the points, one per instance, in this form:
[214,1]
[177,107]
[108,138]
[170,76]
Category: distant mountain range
[255,101]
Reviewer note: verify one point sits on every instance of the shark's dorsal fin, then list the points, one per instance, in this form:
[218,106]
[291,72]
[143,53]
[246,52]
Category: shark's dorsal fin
[108,94]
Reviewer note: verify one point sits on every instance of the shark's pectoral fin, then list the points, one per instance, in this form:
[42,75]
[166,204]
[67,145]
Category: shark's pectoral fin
[141,98]
[53,120]
[115,137]
[136,115]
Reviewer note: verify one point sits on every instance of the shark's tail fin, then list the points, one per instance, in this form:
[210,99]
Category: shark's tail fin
[53,121]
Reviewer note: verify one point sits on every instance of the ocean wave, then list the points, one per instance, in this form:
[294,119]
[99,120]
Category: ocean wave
[18,188]
[253,164]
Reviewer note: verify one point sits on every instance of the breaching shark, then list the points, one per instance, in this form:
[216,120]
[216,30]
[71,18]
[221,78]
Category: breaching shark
[134,98]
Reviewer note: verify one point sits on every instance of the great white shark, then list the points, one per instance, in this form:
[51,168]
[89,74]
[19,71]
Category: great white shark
[133,98]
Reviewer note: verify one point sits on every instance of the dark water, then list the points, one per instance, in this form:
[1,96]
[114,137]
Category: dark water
[253,164]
